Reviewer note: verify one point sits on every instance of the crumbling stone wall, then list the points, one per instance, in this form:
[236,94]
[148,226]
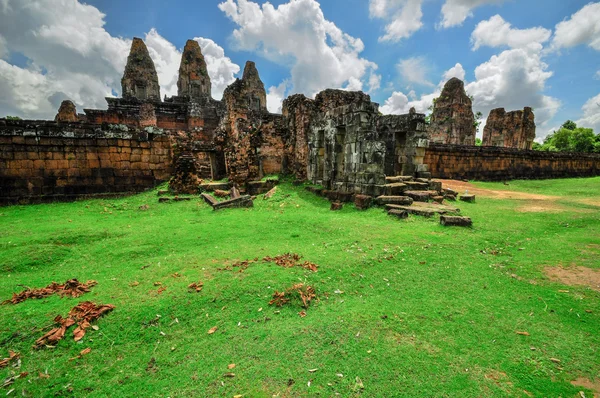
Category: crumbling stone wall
[251,138]
[340,140]
[45,161]
[452,119]
[500,164]
[514,129]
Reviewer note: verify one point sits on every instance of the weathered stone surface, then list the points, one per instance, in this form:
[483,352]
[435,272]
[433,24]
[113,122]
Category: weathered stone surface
[213,186]
[427,209]
[418,196]
[401,214]
[242,201]
[362,202]
[186,179]
[140,79]
[67,113]
[394,200]
[209,199]
[194,81]
[456,221]
[514,129]
[467,198]
[336,206]
[452,119]
[395,189]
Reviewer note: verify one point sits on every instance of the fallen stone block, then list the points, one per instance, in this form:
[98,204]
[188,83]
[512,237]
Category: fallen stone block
[450,197]
[395,200]
[437,199]
[336,206]
[362,202]
[418,196]
[417,186]
[210,187]
[179,199]
[209,199]
[401,214]
[428,209]
[164,200]
[456,221]
[467,198]
[162,192]
[393,179]
[221,194]
[424,174]
[242,201]
[435,186]
[449,191]
[395,189]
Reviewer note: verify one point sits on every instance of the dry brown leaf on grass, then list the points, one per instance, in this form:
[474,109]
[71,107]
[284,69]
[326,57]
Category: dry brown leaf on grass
[12,356]
[81,354]
[161,289]
[231,366]
[304,292]
[82,314]
[522,333]
[212,330]
[71,288]
[196,286]
[302,314]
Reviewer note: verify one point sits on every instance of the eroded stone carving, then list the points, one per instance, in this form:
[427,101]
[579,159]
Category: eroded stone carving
[140,79]
[452,119]
[194,81]
[514,129]
[67,113]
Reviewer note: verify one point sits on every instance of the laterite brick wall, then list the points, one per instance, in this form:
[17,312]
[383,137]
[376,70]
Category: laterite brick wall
[44,161]
[496,163]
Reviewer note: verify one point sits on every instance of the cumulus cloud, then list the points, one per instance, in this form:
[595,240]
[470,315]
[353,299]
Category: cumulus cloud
[496,32]
[455,12]
[415,70]
[591,114]
[403,17]
[70,55]
[582,28]
[326,58]
[399,103]
[276,95]
[512,80]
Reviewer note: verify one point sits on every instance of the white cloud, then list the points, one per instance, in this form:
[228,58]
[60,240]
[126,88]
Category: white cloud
[591,114]
[455,12]
[399,103]
[415,70]
[496,32]
[375,82]
[404,17]
[597,75]
[582,28]
[71,55]
[296,34]
[276,95]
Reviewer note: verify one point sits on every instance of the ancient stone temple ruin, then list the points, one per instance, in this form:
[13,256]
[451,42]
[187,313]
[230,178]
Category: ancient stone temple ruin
[338,140]
[452,119]
[514,129]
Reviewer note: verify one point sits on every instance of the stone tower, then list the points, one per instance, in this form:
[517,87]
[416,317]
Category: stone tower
[254,89]
[140,79]
[67,113]
[514,129]
[452,120]
[194,81]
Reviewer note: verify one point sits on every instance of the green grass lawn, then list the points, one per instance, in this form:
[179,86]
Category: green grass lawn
[405,307]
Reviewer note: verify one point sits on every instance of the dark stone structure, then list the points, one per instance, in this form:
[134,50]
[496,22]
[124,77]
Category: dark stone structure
[452,120]
[514,129]
[338,140]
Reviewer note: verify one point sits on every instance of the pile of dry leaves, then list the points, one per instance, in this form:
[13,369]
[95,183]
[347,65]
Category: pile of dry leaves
[12,357]
[82,315]
[300,291]
[71,288]
[289,260]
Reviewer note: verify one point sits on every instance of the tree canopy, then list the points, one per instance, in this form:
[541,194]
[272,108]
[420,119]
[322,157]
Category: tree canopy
[571,138]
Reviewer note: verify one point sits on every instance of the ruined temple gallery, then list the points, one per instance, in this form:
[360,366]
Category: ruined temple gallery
[339,140]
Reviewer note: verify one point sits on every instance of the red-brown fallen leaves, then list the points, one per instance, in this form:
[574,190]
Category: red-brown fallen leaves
[212,330]
[300,291]
[12,356]
[82,314]
[71,288]
[522,333]
[289,260]
[196,286]
[81,354]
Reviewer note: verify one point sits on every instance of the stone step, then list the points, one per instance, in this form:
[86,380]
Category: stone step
[211,186]
[427,209]
[417,186]
[468,198]
[393,179]
[418,196]
[395,188]
[394,200]
[242,201]
[402,214]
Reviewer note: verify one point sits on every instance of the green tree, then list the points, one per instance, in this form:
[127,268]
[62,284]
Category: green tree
[570,138]
[569,125]
[13,118]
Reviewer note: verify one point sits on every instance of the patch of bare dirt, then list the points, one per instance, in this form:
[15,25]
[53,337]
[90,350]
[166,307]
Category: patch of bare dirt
[582,276]
[590,385]
[462,186]
[540,206]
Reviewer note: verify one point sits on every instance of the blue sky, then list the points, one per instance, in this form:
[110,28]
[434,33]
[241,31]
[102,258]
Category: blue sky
[399,51]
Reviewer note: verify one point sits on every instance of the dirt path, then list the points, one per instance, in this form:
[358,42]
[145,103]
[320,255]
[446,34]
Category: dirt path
[530,202]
